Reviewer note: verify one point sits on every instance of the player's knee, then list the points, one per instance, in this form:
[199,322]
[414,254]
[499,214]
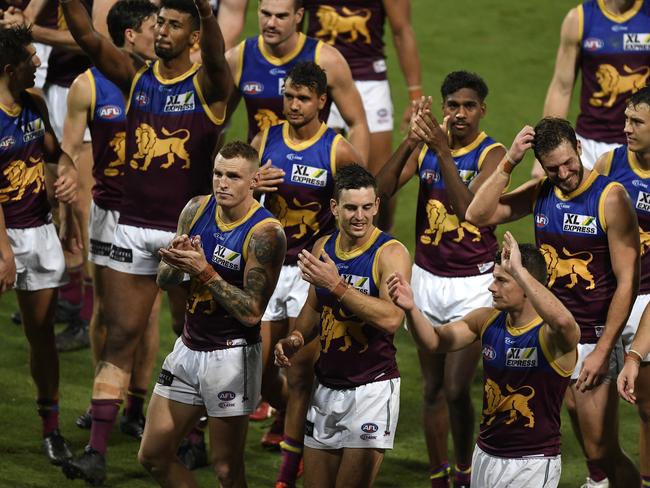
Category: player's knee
[300,380]
[433,393]
[150,460]
[458,394]
[643,407]
[226,471]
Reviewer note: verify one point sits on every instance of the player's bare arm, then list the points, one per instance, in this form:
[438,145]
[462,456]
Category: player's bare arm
[231,16]
[116,64]
[74,125]
[234,58]
[639,349]
[347,154]
[7,260]
[305,331]
[346,96]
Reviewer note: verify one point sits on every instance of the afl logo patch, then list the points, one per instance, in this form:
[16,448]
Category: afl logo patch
[593,44]
[369,428]
[541,220]
[7,142]
[226,395]
[252,88]
[489,353]
[141,98]
[110,112]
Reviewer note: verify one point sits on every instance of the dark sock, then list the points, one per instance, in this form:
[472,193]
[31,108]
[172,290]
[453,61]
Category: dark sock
[135,403]
[645,480]
[462,474]
[49,412]
[72,292]
[87,305]
[595,473]
[104,413]
[440,476]
[291,456]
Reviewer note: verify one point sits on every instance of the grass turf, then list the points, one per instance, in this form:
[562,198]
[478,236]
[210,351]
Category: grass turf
[512,45]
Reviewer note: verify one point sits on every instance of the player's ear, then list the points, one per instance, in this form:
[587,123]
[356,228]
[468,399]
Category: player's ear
[334,207]
[579,148]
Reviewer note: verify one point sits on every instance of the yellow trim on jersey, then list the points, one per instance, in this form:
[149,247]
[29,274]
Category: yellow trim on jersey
[635,164]
[244,251]
[319,47]
[357,251]
[240,63]
[12,112]
[601,203]
[620,18]
[214,118]
[287,57]
[489,321]
[375,261]
[583,187]
[461,151]
[485,152]
[550,359]
[136,78]
[301,146]
[608,163]
[199,211]
[422,155]
[517,331]
[180,77]
[225,227]
[265,136]
[93,93]
[581,23]
[335,143]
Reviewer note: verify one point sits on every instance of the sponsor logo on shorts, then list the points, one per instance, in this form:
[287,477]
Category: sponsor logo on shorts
[489,353]
[121,254]
[521,357]
[180,102]
[165,377]
[110,112]
[467,175]
[309,428]
[429,176]
[643,201]
[33,130]
[361,283]
[593,44]
[99,248]
[252,88]
[141,98]
[226,398]
[301,173]
[370,431]
[7,142]
[636,41]
[581,224]
[541,220]
[226,257]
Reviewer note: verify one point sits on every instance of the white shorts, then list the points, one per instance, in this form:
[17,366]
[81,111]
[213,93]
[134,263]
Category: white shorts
[226,381]
[444,300]
[615,361]
[641,302]
[289,296]
[375,96]
[56,97]
[43,52]
[134,250]
[497,472]
[39,258]
[592,150]
[101,228]
[361,417]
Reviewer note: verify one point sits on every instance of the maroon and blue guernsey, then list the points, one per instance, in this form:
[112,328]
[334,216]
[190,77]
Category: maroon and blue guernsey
[571,233]
[22,166]
[614,63]
[356,29]
[444,246]
[301,203]
[107,124]
[208,326]
[523,390]
[260,76]
[171,135]
[623,166]
[354,353]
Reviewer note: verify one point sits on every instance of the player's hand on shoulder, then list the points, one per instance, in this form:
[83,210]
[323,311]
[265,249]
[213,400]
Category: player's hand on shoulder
[400,291]
[269,178]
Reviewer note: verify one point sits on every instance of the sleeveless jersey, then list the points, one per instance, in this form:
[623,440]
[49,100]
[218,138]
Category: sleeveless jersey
[170,140]
[356,29]
[354,353]
[523,391]
[444,246]
[107,124]
[624,167]
[302,200]
[22,166]
[260,80]
[207,325]
[614,63]
[571,233]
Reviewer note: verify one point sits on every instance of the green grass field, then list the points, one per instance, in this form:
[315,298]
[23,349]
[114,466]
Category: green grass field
[512,45]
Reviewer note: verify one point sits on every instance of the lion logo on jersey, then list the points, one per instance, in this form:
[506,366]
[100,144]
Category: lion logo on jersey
[151,146]
[335,329]
[118,145]
[645,241]
[612,83]
[200,294]
[266,118]
[304,216]
[21,176]
[514,404]
[333,23]
[570,266]
[440,221]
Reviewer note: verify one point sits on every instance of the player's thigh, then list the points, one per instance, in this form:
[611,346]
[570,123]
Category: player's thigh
[321,467]
[228,439]
[460,367]
[359,467]
[128,301]
[642,391]
[597,413]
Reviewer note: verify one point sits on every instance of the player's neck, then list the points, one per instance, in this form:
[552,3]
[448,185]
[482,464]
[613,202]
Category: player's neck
[618,7]
[348,243]
[522,316]
[461,142]
[8,96]
[304,132]
[643,157]
[172,68]
[229,215]
[283,48]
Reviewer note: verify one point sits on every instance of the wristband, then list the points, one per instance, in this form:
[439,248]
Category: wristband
[340,289]
[638,358]
[415,92]
[508,164]
[206,274]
